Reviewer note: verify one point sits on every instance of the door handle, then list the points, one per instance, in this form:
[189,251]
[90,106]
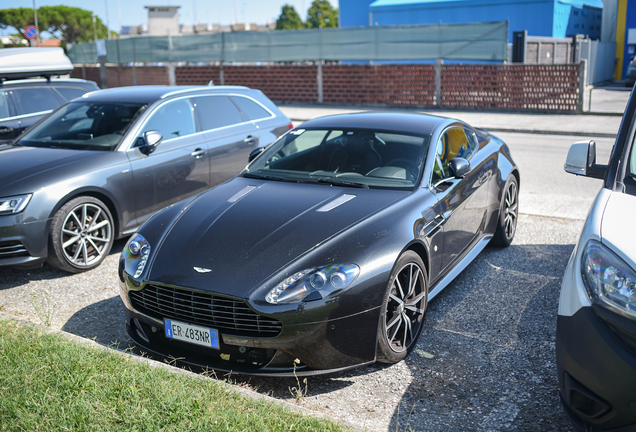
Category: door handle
[198,153]
[250,139]
[5,129]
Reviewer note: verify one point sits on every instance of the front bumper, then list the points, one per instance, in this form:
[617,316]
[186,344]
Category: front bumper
[23,244]
[321,346]
[596,365]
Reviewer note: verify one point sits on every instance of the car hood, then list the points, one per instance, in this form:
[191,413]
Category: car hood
[241,241]
[617,226]
[26,164]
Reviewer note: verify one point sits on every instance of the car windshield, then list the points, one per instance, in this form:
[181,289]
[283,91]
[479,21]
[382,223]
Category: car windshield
[84,126]
[344,157]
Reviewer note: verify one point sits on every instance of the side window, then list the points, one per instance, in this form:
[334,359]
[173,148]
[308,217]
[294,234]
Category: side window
[455,142]
[4,106]
[34,100]
[70,93]
[251,109]
[172,120]
[216,111]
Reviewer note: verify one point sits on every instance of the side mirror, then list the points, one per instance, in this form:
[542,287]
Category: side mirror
[458,167]
[149,141]
[254,153]
[581,160]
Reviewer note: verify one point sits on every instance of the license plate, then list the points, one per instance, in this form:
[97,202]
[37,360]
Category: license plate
[192,334]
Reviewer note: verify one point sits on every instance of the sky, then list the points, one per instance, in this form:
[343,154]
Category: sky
[132,12]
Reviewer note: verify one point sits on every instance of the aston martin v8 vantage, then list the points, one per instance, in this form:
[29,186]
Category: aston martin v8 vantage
[323,253]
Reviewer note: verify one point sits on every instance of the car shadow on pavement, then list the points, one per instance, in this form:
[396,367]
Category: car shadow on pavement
[14,277]
[485,359]
[103,322]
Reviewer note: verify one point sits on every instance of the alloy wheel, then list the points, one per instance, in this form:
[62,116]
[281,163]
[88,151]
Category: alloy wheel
[405,307]
[510,210]
[86,234]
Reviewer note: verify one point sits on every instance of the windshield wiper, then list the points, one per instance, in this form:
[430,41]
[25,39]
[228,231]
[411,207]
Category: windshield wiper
[270,177]
[338,182]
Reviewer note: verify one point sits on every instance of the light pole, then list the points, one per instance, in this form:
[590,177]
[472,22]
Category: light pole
[107,19]
[94,26]
[37,29]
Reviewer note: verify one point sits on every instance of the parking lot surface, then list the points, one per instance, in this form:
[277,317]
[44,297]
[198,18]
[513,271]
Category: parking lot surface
[485,360]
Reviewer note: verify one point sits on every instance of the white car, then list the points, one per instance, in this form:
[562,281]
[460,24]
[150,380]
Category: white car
[596,326]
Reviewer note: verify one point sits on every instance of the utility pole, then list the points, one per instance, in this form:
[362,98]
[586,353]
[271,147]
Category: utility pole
[107,19]
[37,29]
[94,25]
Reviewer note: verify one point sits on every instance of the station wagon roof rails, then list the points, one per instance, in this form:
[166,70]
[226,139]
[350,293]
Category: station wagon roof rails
[206,88]
[19,63]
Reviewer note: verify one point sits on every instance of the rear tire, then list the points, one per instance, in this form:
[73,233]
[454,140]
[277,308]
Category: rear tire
[81,235]
[508,214]
[403,309]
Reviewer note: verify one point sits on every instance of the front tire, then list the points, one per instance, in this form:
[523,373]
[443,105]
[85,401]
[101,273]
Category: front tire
[403,309]
[81,235]
[508,214]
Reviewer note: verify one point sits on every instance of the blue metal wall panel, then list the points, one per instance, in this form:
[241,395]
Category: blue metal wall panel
[555,18]
[630,23]
[532,15]
[354,13]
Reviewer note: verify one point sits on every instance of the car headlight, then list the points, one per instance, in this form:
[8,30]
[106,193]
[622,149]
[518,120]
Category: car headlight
[313,284]
[608,279]
[135,255]
[14,204]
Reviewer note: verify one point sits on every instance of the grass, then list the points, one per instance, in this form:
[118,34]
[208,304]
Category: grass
[48,382]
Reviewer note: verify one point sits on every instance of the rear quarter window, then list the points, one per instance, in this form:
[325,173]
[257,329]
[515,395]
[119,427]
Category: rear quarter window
[251,109]
[216,111]
[70,93]
[34,100]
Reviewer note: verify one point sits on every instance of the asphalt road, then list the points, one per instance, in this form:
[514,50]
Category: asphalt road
[485,360]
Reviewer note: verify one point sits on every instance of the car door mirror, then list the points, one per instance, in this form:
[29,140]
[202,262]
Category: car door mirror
[581,160]
[458,167]
[254,153]
[149,141]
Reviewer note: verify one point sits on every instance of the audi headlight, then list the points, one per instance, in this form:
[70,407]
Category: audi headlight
[14,204]
[313,284]
[135,255]
[608,279]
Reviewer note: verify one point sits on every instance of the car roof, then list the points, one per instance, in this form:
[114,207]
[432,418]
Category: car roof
[411,123]
[149,94]
[60,82]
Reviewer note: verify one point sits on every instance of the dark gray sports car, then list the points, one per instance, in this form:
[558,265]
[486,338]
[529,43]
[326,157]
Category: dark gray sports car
[325,251]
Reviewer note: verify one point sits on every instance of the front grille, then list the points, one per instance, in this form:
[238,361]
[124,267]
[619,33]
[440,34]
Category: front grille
[10,249]
[229,316]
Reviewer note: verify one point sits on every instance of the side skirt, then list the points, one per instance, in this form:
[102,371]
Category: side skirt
[460,266]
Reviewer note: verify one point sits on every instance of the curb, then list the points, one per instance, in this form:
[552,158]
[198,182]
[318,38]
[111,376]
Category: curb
[157,364]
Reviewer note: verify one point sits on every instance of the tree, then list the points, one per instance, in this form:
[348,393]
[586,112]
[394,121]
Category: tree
[18,18]
[289,19]
[322,14]
[72,24]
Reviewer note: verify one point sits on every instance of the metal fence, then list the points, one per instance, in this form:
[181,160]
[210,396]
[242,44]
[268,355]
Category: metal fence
[600,58]
[473,42]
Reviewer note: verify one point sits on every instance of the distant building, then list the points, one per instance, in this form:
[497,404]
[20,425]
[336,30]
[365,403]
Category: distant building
[163,20]
[553,18]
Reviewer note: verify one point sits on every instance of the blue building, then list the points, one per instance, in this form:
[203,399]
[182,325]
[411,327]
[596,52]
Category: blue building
[553,18]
